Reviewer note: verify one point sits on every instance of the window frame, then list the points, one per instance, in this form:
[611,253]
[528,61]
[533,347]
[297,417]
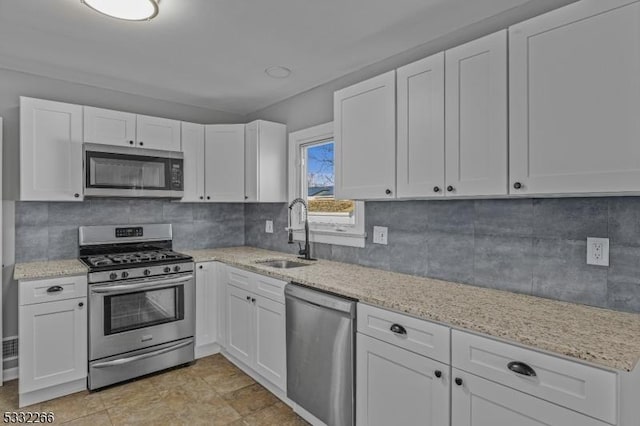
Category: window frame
[352,235]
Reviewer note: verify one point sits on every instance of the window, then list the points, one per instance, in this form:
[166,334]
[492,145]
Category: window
[312,177]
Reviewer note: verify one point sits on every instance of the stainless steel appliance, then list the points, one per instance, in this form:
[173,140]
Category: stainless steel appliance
[141,301]
[320,354]
[115,171]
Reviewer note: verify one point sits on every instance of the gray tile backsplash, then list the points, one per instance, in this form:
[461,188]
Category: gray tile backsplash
[49,231]
[531,246]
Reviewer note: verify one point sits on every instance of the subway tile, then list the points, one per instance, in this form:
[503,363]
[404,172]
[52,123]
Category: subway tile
[450,256]
[408,252]
[504,263]
[63,242]
[570,218]
[29,213]
[624,220]
[451,216]
[32,243]
[504,217]
[560,272]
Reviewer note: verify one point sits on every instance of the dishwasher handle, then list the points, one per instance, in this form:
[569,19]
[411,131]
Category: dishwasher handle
[321,299]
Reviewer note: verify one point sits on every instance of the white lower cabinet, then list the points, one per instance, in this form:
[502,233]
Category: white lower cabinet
[255,326]
[398,387]
[480,402]
[52,342]
[207,312]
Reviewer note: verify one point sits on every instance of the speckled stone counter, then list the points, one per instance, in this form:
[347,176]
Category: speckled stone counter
[48,269]
[600,336]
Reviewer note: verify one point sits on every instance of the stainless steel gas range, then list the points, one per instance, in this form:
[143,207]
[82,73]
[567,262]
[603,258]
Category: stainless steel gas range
[141,301]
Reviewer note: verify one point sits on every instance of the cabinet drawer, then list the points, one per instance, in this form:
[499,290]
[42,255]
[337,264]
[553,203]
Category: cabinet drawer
[269,287]
[239,278]
[579,387]
[422,337]
[38,291]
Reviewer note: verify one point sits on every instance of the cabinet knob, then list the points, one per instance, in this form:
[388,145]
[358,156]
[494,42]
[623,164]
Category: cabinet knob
[249,298]
[398,329]
[202,197]
[200,266]
[521,368]
[388,192]
[458,381]
[253,300]
[76,195]
[81,304]
[517,185]
[436,189]
[208,197]
[246,197]
[437,373]
[130,142]
[450,188]
[141,143]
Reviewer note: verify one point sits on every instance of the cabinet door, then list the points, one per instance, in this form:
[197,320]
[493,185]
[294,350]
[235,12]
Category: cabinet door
[158,133]
[50,151]
[109,127]
[476,117]
[239,324]
[224,162]
[479,402]
[193,150]
[575,100]
[206,308]
[271,351]
[365,139]
[265,162]
[420,165]
[53,343]
[398,387]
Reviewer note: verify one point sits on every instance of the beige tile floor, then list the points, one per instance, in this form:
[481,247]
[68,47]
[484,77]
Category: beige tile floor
[210,392]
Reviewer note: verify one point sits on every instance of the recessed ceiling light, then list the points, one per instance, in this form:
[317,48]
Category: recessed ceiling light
[278,72]
[129,10]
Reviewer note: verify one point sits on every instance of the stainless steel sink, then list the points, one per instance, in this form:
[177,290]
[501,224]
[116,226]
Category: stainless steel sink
[282,264]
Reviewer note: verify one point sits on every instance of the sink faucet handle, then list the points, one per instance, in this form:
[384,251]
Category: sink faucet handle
[290,236]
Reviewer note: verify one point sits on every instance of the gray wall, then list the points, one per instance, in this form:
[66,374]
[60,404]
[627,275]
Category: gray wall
[528,246]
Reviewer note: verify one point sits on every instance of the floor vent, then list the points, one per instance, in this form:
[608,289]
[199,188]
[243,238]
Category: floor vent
[10,348]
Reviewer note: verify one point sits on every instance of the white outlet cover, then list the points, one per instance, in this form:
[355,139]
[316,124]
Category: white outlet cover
[268,227]
[598,251]
[380,234]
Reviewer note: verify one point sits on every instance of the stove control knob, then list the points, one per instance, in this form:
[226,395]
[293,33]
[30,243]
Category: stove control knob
[147,272]
[125,274]
[176,268]
[113,276]
[167,269]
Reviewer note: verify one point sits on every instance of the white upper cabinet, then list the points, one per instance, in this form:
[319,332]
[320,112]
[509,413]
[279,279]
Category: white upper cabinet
[420,163]
[575,100]
[109,127]
[158,133]
[365,139]
[50,151]
[265,162]
[194,159]
[476,117]
[224,162]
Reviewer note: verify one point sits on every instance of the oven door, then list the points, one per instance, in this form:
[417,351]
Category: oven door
[130,315]
[112,171]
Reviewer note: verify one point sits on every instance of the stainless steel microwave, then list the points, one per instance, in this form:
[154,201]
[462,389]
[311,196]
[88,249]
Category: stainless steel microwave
[114,171]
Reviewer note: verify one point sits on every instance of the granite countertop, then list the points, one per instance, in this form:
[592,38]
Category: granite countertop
[48,269]
[599,336]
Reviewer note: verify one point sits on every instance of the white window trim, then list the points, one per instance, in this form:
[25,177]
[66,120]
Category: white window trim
[344,235]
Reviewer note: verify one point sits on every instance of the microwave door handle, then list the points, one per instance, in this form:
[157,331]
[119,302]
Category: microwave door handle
[156,285]
[131,359]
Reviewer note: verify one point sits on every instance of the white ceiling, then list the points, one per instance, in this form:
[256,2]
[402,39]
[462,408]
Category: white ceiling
[212,53]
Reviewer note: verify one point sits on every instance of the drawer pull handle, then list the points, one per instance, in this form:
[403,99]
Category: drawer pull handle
[54,289]
[438,373]
[458,381]
[521,368]
[398,329]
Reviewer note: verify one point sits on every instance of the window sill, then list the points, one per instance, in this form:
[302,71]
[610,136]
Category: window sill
[339,238]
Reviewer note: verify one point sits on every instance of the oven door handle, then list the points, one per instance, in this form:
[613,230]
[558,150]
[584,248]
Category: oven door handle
[131,359]
[156,285]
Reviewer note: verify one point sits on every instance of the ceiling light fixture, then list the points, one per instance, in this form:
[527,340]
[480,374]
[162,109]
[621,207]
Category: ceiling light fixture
[129,10]
[278,72]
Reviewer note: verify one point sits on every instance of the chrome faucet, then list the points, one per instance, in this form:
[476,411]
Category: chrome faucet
[306,252]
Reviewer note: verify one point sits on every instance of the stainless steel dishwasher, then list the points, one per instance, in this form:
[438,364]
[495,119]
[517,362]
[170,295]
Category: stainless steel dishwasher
[320,354]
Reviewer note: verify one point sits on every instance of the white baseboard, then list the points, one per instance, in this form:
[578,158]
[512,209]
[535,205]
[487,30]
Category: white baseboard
[30,398]
[10,374]
[206,350]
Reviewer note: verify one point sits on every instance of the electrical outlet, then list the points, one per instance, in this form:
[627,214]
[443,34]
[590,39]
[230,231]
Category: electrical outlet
[598,251]
[380,235]
[268,227]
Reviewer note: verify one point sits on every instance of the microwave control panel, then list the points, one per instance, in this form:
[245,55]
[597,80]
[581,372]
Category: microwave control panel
[176,175]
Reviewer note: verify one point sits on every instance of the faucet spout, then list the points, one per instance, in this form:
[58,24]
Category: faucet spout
[306,252]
